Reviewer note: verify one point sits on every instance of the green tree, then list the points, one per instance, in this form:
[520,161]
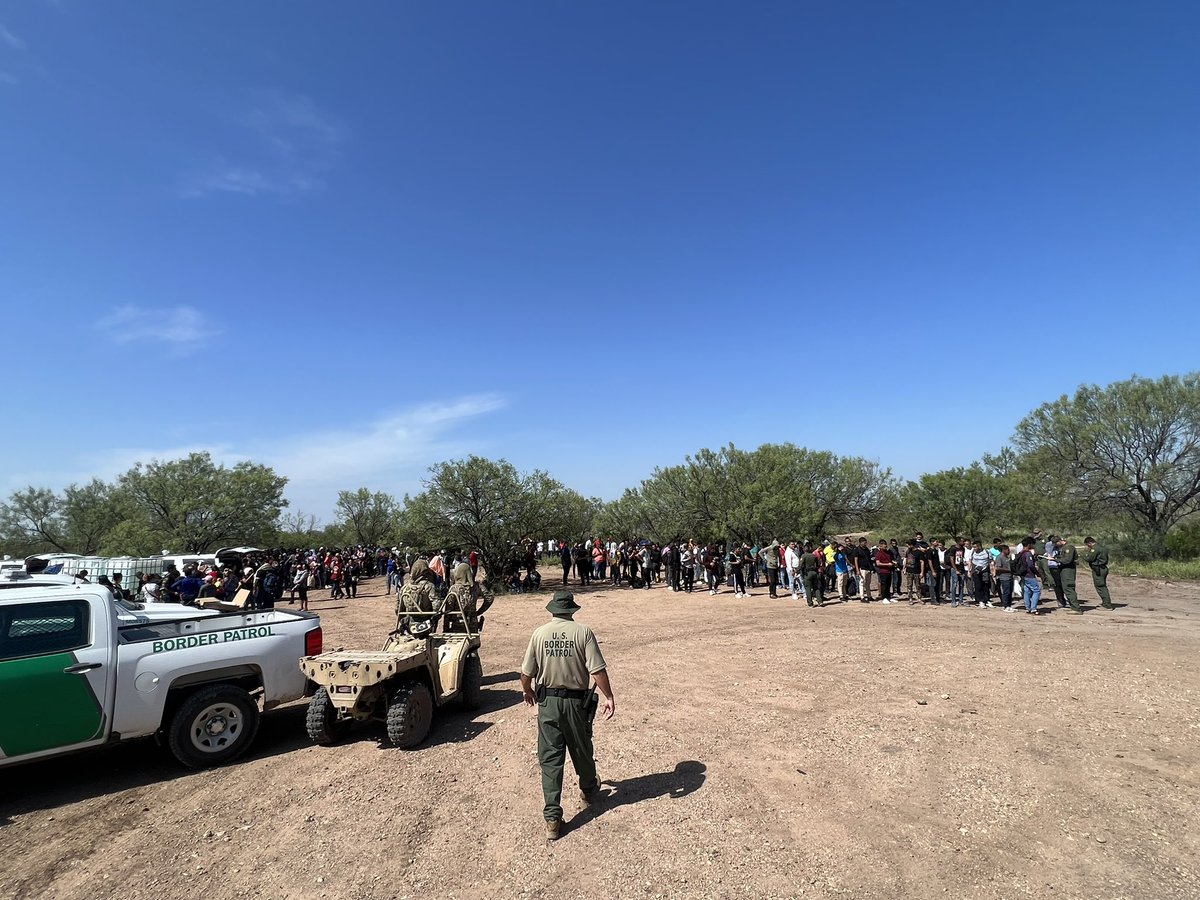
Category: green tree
[961,501]
[777,490]
[367,518]
[196,506]
[90,512]
[1131,449]
[486,504]
[31,521]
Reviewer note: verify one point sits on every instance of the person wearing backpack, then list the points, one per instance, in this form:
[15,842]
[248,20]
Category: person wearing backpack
[1027,567]
[268,586]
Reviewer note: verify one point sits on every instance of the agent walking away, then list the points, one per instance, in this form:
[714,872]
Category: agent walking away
[562,655]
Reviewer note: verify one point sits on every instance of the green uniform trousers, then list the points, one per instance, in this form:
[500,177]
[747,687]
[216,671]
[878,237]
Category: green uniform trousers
[1067,574]
[1100,583]
[812,587]
[563,727]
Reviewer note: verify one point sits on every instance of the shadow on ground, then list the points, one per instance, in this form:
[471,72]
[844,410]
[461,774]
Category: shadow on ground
[686,778]
[56,782]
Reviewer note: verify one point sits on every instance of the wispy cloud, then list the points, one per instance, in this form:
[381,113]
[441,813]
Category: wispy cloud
[289,146]
[388,454]
[7,37]
[8,78]
[182,328]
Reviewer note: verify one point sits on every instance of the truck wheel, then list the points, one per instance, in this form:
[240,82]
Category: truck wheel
[322,722]
[472,685]
[409,715]
[215,725]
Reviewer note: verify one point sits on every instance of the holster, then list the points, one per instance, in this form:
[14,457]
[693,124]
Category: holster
[591,704]
[540,693]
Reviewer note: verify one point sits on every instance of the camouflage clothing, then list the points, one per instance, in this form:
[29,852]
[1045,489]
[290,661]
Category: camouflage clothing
[463,595]
[419,595]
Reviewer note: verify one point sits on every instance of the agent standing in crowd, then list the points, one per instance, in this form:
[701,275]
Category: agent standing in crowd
[562,657]
[1067,558]
[1097,559]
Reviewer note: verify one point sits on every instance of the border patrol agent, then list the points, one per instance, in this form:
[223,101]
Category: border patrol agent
[562,656]
[1097,559]
[1068,558]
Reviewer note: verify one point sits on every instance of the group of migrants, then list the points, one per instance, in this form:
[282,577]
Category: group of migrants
[960,573]
[263,576]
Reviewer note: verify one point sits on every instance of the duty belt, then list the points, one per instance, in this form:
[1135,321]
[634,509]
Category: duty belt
[566,693]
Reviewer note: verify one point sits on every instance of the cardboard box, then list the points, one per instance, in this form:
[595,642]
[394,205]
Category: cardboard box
[222,605]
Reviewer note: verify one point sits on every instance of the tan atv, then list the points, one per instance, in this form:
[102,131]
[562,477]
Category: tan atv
[400,685]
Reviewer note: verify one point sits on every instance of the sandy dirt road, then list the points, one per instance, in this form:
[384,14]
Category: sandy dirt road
[760,749]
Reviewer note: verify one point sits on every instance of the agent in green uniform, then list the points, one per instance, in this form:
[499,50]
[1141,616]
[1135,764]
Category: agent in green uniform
[1097,559]
[563,656]
[1068,558]
[810,571]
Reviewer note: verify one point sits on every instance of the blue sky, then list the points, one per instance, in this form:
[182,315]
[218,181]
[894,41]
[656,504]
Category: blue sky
[351,240]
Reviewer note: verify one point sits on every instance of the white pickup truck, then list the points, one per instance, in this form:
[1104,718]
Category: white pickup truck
[74,676]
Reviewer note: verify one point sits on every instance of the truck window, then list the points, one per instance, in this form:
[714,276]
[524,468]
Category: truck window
[35,629]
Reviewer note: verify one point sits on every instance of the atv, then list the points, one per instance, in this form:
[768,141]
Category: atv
[417,671]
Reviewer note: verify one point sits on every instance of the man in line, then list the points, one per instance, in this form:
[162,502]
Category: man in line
[1097,559]
[562,657]
[771,555]
[1027,568]
[864,568]
[791,559]
[885,564]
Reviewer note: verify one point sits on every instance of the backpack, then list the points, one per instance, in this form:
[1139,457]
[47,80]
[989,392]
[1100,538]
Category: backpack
[270,584]
[1028,563]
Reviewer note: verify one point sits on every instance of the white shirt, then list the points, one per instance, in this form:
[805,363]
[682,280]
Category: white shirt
[790,559]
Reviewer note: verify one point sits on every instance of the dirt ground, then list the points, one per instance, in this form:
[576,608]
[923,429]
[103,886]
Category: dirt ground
[760,749]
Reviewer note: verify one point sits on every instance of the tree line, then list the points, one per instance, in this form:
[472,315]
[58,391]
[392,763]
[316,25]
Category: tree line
[1123,460]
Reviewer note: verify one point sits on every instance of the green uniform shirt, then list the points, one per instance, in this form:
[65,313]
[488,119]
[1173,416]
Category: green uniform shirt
[1067,556]
[809,565]
[1097,558]
[563,653]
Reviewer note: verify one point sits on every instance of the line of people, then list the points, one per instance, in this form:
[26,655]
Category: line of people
[958,574]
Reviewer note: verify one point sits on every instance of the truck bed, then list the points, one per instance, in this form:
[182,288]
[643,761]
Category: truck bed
[232,626]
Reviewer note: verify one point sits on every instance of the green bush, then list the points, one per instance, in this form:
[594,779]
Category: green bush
[1167,569]
[1184,541]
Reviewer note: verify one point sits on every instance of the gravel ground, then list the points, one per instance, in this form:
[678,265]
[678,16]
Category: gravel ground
[760,749]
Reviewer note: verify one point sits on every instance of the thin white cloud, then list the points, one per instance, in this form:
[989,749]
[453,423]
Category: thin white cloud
[289,146]
[389,454]
[7,37]
[182,328]
[8,78]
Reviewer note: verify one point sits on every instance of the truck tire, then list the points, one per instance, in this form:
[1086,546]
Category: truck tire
[322,722]
[215,725]
[409,715]
[472,685]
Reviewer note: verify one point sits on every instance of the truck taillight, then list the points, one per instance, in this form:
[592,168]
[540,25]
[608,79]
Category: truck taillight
[312,642]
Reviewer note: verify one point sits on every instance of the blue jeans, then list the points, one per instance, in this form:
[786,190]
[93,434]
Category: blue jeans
[958,586]
[933,580]
[1031,590]
[1006,592]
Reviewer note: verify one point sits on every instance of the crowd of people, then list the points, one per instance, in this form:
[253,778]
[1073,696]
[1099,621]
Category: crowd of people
[958,573]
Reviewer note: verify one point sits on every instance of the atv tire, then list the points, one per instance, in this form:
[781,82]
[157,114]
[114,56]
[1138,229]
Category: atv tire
[409,715]
[322,722]
[472,684]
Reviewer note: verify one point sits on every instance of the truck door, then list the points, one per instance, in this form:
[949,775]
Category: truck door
[55,670]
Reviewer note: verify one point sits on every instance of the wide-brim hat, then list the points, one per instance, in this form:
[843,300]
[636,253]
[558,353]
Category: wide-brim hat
[562,602]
